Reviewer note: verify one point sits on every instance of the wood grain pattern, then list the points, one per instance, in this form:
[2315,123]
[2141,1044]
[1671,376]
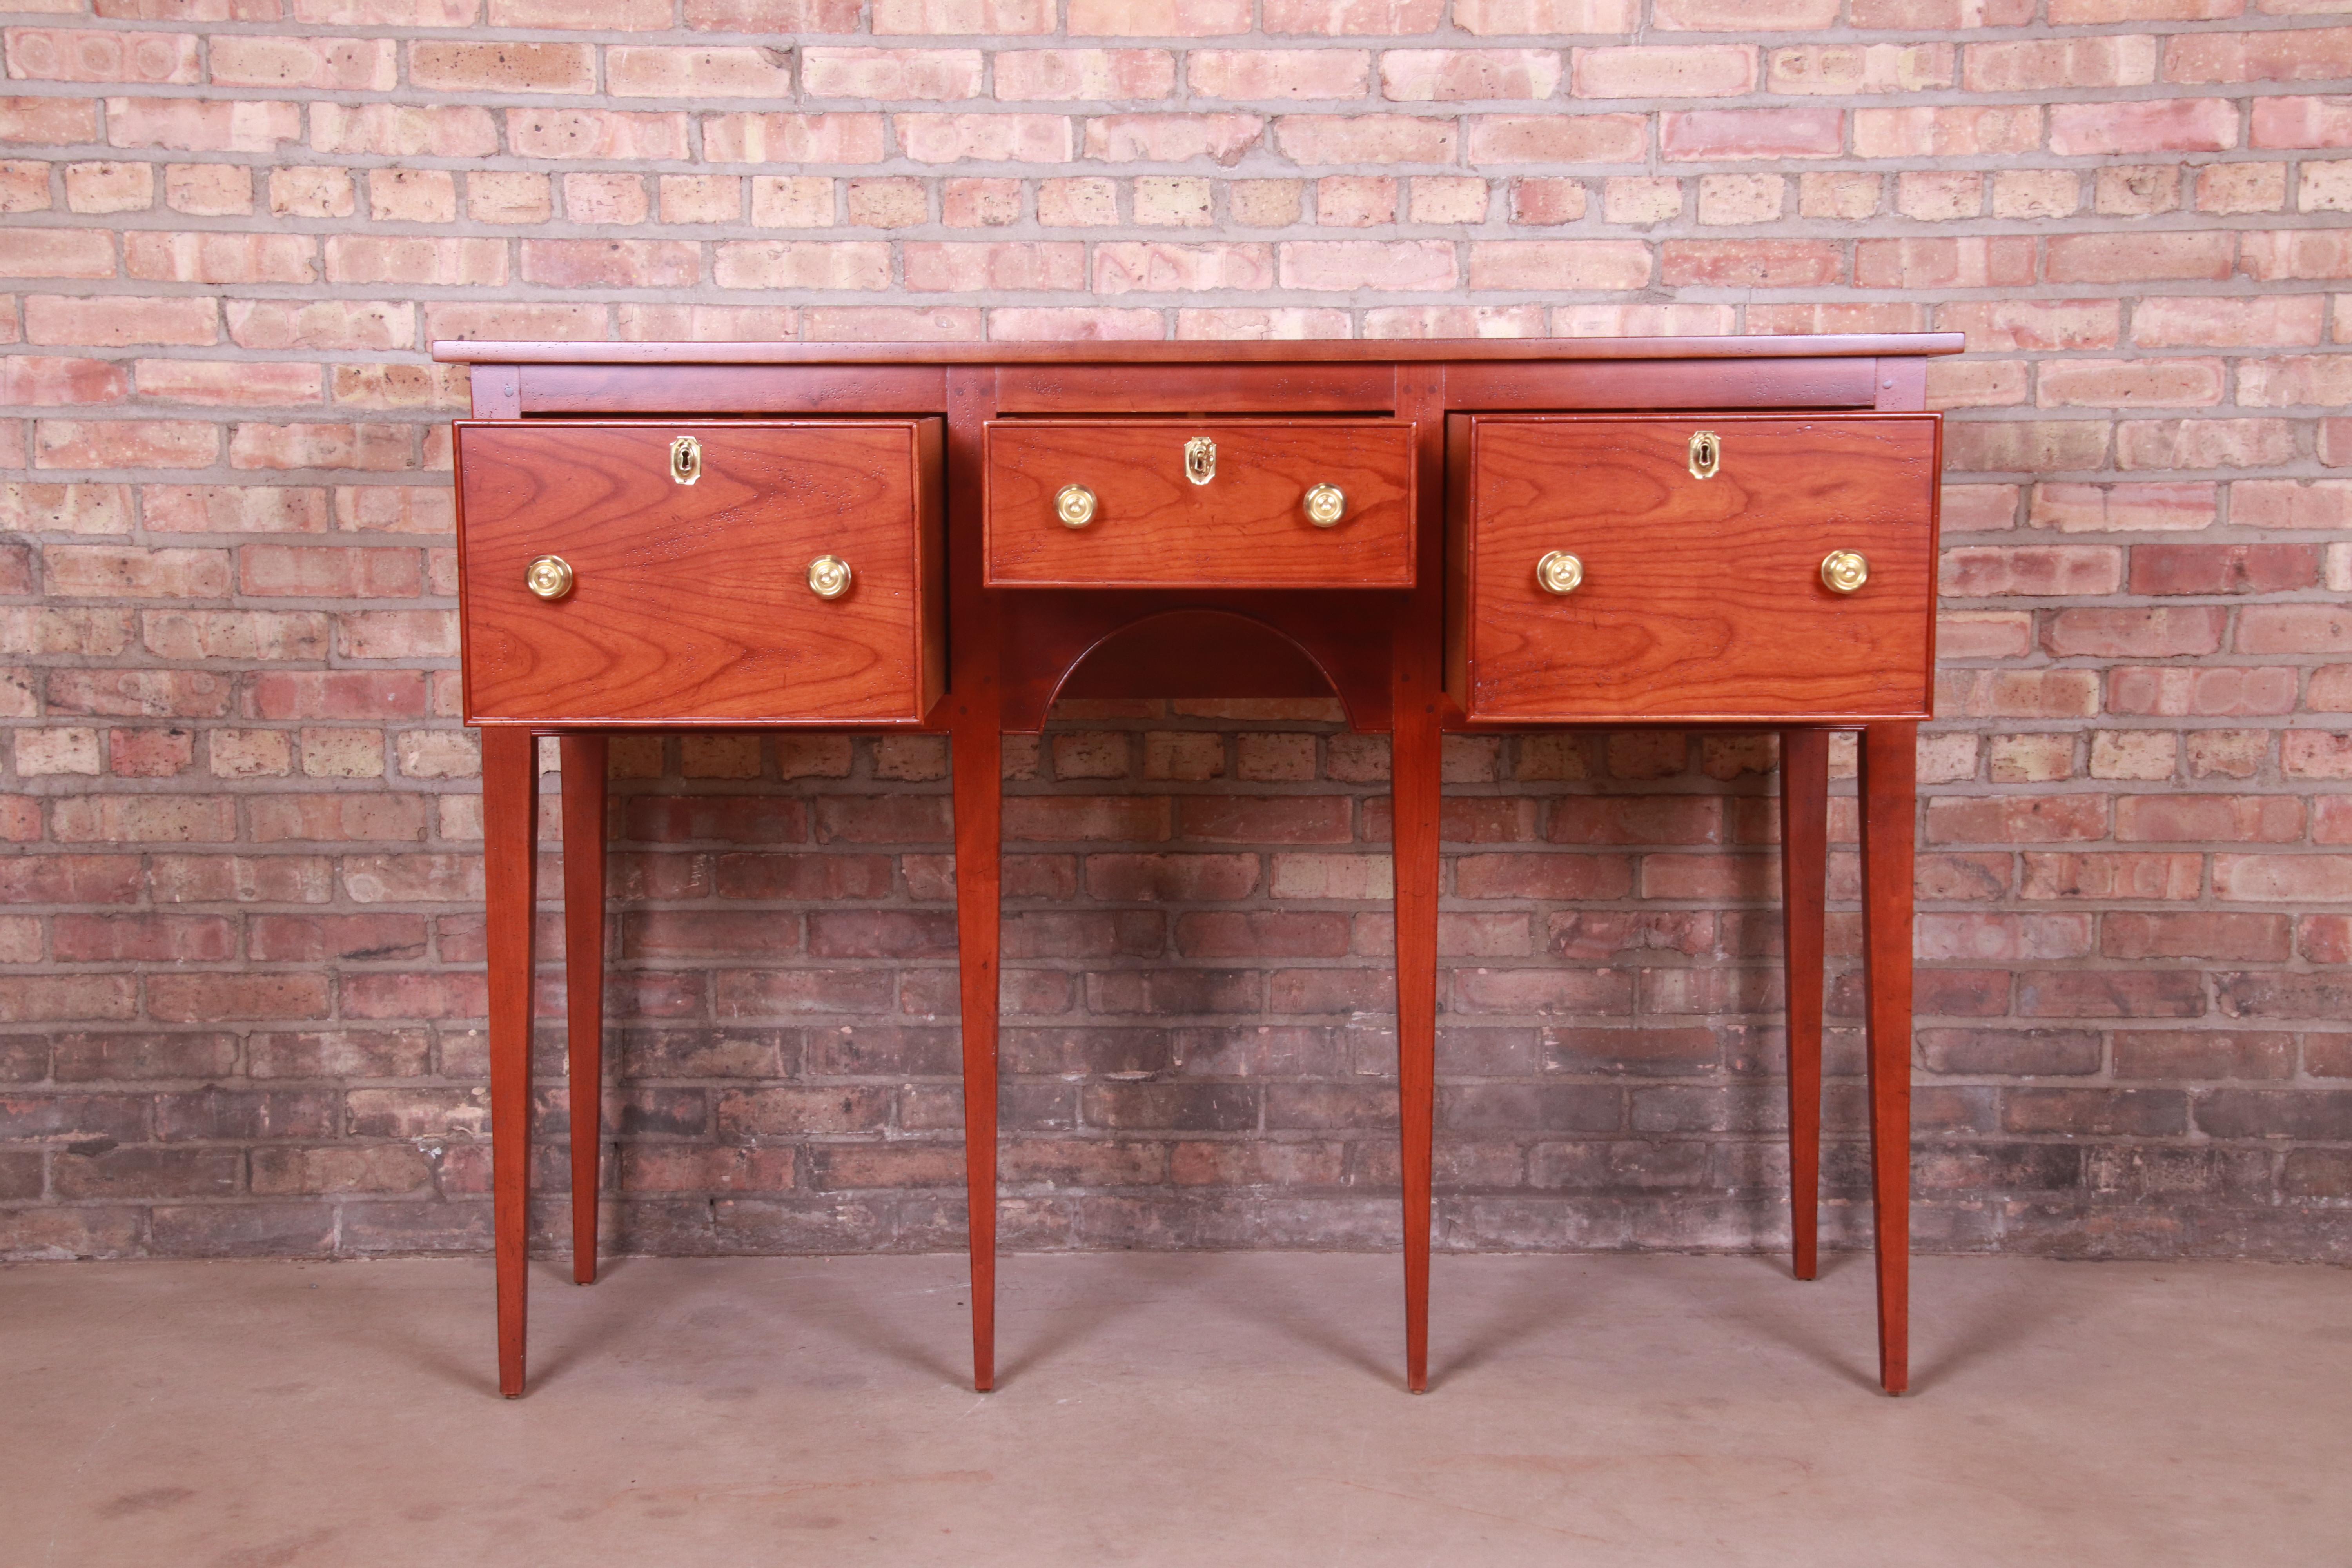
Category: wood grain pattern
[1417,751]
[1820,382]
[1322,352]
[976,756]
[1153,527]
[1804,872]
[1702,598]
[1890,811]
[584,762]
[510,896]
[1223,388]
[684,647]
[691,602]
[608,389]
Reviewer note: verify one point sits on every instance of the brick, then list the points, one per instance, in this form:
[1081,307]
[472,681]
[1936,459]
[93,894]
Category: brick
[49,121]
[1958,132]
[1719,134]
[403,131]
[1559,139]
[1098,74]
[193,125]
[1157,18]
[998,137]
[1559,264]
[1348,265]
[843,138]
[1861,68]
[1424,76]
[87,55]
[347,64]
[1283,75]
[57,253]
[2053,64]
[606,135]
[749,72]
[2131,383]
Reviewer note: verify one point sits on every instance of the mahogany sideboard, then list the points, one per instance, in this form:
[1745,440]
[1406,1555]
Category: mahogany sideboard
[1449,535]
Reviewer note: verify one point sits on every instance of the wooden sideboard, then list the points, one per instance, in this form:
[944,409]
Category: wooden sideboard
[1447,535]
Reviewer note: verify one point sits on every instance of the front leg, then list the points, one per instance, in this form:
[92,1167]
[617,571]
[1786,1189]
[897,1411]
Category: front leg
[510,887]
[1890,769]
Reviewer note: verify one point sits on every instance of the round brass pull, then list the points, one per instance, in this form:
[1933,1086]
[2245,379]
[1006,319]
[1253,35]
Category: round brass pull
[1558,571]
[1326,505]
[1843,571]
[550,577]
[1075,505]
[828,577]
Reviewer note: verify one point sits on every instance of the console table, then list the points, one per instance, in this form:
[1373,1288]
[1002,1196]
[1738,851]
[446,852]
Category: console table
[1449,535]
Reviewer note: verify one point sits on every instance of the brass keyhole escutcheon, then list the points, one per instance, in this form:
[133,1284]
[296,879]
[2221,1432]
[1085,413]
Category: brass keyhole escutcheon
[1705,454]
[1558,571]
[685,460]
[828,577]
[550,577]
[1326,505]
[1200,459]
[1843,571]
[1075,505]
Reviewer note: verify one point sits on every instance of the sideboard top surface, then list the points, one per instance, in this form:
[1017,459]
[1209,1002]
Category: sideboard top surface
[1284,352]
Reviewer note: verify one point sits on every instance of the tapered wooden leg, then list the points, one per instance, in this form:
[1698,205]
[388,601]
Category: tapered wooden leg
[1889,826]
[510,880]
[584,983]
[1417,755]
[979,849]
[1804,874]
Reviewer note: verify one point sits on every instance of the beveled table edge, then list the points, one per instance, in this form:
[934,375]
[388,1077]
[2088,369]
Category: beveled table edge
[1304,351]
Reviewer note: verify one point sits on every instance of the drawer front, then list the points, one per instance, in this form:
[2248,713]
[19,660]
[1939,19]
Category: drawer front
[1185,503]
[693,601]
[1699,597]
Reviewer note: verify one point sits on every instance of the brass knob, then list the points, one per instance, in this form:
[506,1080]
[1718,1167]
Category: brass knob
[1843,571]
[1200,459]
[1705,454]
[685,460]
[1326,505]
[1075,505]
[550,577]
[828,577]
[1558,571]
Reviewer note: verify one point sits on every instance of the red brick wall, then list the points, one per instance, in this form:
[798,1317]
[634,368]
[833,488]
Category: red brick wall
[239,1006]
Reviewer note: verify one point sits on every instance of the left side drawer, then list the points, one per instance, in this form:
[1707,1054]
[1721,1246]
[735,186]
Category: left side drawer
[710,571]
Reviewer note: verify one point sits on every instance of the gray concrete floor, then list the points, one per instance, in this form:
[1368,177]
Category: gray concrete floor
[1204,1409]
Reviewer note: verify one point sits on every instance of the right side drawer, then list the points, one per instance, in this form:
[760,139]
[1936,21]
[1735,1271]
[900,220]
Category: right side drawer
[1692,567]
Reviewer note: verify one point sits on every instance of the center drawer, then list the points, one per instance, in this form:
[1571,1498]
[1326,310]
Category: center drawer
[700,571]
[1194,504]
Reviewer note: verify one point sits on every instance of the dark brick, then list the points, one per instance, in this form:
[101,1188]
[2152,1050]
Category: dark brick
[2021,1053]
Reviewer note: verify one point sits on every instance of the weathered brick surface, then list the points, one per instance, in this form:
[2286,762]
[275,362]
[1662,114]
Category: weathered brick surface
[241,992]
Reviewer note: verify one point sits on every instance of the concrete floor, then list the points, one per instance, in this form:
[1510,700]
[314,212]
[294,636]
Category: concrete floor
[1205,1409]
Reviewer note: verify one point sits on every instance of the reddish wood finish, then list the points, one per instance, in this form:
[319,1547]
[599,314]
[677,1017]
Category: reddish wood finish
[583,758]
[1399,351]
[1889,785]
[1702,598]
[1417,754]
[1389,652]
[511,885]
[1196,388]
[1804,873]
[1051,637]
[976,731]
[609,389]
[1153,527]
[1668,383]
[692,601]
